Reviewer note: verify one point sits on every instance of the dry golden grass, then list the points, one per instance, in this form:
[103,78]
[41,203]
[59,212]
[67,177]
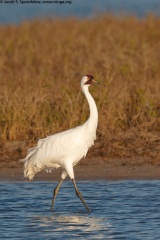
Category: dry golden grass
[41,65]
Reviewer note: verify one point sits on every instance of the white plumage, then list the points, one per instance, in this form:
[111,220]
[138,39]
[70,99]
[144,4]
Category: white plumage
[67,148]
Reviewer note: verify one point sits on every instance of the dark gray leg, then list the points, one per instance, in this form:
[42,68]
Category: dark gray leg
[56,192]
[80,195]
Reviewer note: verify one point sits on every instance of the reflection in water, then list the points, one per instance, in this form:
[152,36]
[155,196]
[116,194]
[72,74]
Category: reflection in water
[83,225]
[119,210]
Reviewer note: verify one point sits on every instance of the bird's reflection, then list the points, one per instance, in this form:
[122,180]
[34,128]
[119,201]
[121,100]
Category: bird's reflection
[75,223]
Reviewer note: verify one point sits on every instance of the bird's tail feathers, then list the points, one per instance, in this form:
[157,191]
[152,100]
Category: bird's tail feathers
[30,165]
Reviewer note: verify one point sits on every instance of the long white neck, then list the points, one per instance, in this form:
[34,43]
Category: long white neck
[92,121]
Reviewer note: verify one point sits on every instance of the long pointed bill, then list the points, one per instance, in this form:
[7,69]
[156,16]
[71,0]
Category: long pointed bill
[97,83]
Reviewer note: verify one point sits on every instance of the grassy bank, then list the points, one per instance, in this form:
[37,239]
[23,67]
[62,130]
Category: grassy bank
[41,65]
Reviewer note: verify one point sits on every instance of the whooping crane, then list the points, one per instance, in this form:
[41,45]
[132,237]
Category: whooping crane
[67,148]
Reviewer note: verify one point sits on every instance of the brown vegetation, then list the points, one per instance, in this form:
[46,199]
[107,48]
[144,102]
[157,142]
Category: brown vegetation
[41,65]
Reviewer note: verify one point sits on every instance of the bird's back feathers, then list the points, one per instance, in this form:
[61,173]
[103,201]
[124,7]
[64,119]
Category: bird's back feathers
[55,150]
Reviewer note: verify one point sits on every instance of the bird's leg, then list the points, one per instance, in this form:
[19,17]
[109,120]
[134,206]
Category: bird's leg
[80,195]
[56,192]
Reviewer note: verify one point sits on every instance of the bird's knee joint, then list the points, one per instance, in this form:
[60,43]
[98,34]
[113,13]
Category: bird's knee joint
[78,194]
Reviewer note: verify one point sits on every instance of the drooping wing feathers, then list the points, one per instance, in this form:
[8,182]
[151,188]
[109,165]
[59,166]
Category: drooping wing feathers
[53,151]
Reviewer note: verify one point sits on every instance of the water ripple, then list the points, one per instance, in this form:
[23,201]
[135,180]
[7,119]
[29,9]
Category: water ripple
[119,210]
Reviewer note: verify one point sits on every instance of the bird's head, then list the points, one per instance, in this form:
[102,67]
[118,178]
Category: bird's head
[88,80]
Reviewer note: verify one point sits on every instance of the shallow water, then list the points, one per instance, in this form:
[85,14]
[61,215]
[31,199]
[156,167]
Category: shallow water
[119,210]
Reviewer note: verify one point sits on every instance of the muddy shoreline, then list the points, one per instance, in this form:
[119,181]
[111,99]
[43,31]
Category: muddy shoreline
[101,171]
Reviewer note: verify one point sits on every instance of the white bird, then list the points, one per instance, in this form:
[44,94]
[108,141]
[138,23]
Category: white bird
[67,148]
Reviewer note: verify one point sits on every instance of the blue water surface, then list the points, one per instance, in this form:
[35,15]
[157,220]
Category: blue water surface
[16,11]
[119,210]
